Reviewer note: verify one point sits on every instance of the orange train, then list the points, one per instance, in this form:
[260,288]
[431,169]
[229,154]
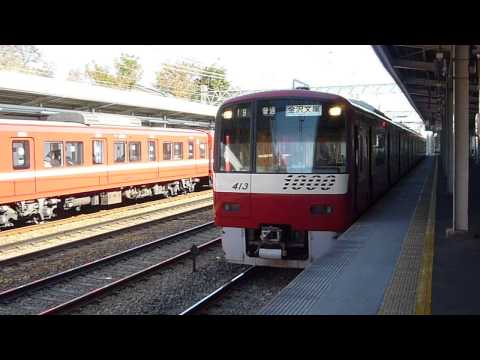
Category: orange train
[86,159]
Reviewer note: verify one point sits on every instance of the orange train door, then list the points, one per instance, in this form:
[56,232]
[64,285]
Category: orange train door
[23,165]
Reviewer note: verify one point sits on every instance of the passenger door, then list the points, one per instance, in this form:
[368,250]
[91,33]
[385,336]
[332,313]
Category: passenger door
[23,165]
[356,145]
[100,159]
[363,188]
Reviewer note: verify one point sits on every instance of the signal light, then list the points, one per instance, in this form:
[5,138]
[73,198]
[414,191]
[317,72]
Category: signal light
[335,111]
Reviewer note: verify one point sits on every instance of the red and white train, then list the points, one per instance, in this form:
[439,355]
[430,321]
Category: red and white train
[294,168]
[90,159]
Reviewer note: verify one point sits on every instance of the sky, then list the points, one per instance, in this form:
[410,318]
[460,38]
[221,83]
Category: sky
[248,67]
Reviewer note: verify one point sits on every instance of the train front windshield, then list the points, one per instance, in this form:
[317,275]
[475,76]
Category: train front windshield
[291,136]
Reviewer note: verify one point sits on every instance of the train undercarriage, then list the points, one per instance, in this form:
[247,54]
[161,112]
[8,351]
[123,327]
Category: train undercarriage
[275,245]
[39,210]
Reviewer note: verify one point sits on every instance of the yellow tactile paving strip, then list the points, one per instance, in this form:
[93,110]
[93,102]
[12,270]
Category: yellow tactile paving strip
[409,291]
[424,289]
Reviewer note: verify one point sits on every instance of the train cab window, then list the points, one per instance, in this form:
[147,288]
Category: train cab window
[134,151]
[191,146]
[119,151]
[167,151]
[52,154]
[177,151]
[74,153]
[203,152]
[20,154]
[152,151]
[98,152]
[234,145]
[299,136]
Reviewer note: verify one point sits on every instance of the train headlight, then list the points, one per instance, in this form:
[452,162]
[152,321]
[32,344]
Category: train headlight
[335,111]
[227,114]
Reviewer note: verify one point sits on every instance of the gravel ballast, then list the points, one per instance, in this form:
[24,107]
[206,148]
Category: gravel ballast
[59,260]
[168,291]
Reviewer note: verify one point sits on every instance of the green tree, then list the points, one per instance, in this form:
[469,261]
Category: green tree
[184,79]
[128,72]
[24,58]
[100,75]
[214,77]
[178,79]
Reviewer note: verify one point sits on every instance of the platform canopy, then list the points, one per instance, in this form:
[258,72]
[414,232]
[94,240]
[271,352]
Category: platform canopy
[422,72]
[25,92]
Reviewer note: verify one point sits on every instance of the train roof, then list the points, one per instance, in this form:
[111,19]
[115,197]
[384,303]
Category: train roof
[45,125]
[301,93]
[88,118]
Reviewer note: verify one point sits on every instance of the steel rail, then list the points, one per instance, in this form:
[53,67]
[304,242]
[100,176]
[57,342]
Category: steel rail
[102,290]
[19,290]
[218,292]
[101,223]
[86,240]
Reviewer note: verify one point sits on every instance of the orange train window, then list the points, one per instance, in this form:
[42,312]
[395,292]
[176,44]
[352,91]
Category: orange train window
[20,154]
[167,151]
[203,152]
[177,151]
[74,153]
[53,154]
[98,152]
[119,151]
[191,154]
[152,151]
[134,151]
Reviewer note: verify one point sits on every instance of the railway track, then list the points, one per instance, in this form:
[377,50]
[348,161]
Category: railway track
[201,307]
[14,247]
[70,288]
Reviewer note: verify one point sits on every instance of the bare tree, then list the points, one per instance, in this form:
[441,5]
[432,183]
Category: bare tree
[25,58]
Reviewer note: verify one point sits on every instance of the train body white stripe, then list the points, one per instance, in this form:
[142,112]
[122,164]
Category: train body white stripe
[80,170]
[302,184]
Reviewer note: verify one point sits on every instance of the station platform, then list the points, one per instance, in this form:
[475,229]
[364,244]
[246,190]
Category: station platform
[378,266]
[456,262]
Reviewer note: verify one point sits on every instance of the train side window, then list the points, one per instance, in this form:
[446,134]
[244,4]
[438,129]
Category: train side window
[98,152]
[379,147]
[53,154]
[191,147]
[363,152]
[134,151]
[177,151]
[74,153]
[152,151]
[203,152]
[21,154]
[119,151]
[167,151]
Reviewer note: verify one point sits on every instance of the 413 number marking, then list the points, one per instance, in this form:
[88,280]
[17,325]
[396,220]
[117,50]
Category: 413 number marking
[240,186]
